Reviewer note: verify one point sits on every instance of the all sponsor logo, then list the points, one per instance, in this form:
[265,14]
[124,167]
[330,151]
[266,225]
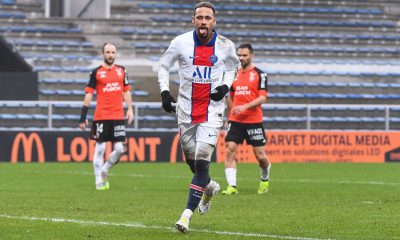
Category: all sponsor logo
[206,73]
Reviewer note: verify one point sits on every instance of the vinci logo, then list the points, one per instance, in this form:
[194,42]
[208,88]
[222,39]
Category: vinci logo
[27,143]
[206,73]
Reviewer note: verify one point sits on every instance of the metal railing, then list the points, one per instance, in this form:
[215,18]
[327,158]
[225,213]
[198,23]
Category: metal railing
[307,115]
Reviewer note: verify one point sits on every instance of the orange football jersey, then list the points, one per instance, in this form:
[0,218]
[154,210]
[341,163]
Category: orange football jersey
[248,86]
[110,84]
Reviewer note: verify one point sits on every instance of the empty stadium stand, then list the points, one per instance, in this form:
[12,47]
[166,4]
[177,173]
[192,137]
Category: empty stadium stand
[322,57]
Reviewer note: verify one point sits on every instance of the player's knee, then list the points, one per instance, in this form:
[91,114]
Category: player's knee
[120,148]
[189,154]
[204,151]
[230,152]
[188,149]
[231,149]
[100,148]
[259,152]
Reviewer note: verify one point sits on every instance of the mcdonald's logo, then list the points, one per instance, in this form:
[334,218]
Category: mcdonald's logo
[27,143]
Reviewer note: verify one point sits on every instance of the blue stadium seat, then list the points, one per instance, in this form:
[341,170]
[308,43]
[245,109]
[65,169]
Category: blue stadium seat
[8,2]
[150,106]
[339,96]
[257,8]
[368,96]
[54,69]
[5,15]
[83,69]
[78,92]
[149,118]
[57,43]
[58,117]
[63,92]
[7,116]
[39,68]
[74,30]
[61,105]
[394,119]
[71,116]
[47,91]
[312,95]
[23,116]
[86,44]
[167,118]
[139,93]
[17,14]
[60,29]
[72,43]
[40,116]
[70,69]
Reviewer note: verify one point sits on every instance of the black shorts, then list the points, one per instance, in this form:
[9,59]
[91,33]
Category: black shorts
[108,130]
[254,133]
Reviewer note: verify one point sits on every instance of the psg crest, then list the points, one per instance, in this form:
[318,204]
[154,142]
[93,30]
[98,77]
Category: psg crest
[213,58]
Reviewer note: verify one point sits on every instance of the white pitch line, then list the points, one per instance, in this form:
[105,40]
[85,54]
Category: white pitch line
[241,179]
[339,182]
[143,226]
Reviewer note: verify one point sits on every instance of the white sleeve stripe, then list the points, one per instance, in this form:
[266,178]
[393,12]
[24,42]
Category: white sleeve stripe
[263,80]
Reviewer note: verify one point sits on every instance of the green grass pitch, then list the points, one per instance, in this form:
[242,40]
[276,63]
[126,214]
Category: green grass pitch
[306,201]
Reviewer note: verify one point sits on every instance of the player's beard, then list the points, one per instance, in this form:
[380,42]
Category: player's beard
[244,64]
[109,62]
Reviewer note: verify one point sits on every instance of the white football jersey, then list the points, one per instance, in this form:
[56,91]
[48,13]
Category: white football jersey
[201,69]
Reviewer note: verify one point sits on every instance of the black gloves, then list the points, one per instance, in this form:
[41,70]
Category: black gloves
[167,99]
[84,112]
[219,93]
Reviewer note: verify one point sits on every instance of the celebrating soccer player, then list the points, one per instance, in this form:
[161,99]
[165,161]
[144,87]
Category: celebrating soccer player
[207,68]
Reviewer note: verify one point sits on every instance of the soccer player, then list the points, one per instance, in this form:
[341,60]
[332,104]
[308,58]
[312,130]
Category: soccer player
[110,81]
[246,96]
[207,68]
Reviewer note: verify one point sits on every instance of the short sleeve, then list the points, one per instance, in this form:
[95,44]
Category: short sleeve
[91,86]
